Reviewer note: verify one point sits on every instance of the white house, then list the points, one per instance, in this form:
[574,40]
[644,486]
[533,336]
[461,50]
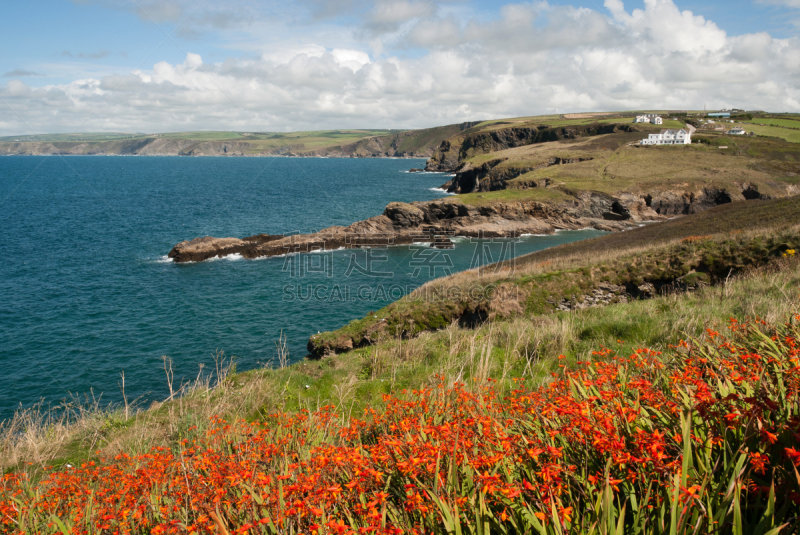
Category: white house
[653,119]
[669,137]
[738,131]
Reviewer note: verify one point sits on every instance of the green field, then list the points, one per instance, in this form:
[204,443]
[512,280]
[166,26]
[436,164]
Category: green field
[787,123]
[610,165]
[83,137]
[510,195]
[792,136]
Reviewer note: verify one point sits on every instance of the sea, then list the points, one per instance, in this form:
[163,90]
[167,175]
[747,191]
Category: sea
[87,291]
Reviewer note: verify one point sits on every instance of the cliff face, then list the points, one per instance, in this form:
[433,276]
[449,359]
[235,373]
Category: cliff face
[453,152]
[490,177]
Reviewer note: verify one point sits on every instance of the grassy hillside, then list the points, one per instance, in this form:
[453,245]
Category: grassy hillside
[699,437]
[681,253]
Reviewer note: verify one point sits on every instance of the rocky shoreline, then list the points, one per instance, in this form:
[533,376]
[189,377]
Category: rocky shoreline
[432,222]
[435,222]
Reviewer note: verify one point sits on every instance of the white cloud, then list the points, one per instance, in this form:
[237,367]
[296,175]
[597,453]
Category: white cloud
[531,58]
[352,59]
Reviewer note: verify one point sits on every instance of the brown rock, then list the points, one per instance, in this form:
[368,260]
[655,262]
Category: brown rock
[404,215]
[200,249]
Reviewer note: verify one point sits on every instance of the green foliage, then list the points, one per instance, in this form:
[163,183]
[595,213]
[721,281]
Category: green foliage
[694,262]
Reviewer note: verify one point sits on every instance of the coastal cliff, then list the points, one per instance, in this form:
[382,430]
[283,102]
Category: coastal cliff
[438,220]
[536,180]
[451,153]
[334,144]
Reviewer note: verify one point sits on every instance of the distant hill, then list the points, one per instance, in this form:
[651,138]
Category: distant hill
[332,143]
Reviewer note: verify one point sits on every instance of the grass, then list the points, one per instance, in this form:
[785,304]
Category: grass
[792,136]
[609,164]
[649,452]
[793,122]
[511,195]
[735,236]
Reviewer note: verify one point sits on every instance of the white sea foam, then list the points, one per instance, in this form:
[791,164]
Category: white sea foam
[284,255]
[232,257]
[320,251]
[532,235]
[163,260]
[440,190]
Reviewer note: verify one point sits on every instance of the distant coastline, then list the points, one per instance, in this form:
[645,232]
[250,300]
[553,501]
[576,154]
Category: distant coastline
[325,144]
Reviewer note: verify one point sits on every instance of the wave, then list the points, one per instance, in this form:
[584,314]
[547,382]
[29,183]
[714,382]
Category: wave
[320,251]
[440,190]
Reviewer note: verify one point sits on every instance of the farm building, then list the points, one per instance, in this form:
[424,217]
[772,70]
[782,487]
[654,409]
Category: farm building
[652,118]
[669,137]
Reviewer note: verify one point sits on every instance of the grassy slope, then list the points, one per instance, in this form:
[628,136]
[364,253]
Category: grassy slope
[698,438]
[614,166]
[619,254]
[790,135]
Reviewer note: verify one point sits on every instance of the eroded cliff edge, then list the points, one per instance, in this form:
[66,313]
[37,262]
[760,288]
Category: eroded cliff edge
[432,221]
[512,161]
[548,178]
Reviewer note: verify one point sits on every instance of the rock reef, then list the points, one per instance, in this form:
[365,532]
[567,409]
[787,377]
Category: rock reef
[431,222]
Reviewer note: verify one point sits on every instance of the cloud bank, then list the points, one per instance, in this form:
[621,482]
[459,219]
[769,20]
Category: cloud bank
[430,65]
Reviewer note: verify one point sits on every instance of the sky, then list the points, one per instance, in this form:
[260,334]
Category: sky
[247,65]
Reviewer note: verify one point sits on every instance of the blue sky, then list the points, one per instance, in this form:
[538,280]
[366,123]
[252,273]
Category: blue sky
[165,65]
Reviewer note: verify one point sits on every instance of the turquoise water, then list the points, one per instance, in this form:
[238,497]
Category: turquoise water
[86,291]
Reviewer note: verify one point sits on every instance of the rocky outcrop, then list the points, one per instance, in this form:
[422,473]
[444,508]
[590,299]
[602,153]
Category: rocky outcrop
[432,222]
[676,202]
[200,249]
[404,215]
[435,222]
[491,176]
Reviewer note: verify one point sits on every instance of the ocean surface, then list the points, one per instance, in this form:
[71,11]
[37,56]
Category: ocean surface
[86,290]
